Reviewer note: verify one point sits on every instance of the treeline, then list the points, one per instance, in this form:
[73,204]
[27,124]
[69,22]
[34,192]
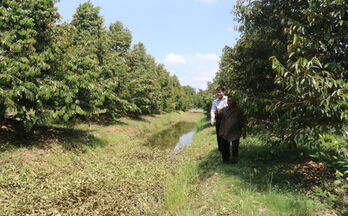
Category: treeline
[288,70]
[80,69]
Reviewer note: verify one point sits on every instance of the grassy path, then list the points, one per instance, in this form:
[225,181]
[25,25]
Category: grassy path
[107,170]
[256,185]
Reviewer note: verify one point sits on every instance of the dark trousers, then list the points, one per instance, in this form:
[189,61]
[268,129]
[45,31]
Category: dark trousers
[219,138]
[226,149]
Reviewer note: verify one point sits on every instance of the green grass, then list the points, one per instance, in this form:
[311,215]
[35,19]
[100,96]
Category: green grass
[107,169]
[178,190]
[88,170]
[259,184]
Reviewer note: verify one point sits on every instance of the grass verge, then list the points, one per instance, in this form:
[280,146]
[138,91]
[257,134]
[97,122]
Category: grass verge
[88,169]
[106,169]
[258,184]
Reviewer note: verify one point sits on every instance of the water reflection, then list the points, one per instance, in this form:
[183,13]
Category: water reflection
[184,140]
[181,132]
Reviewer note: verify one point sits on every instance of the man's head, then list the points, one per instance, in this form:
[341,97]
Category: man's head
[220,91]
[230,102]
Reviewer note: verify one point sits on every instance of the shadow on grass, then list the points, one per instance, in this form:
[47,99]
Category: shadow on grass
[109,122]
[139,118]
[284,173]
[102,120]
[69,138]
[264,167]
[44,137]
[258,166]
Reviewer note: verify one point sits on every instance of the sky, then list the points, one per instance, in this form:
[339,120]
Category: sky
[187,36]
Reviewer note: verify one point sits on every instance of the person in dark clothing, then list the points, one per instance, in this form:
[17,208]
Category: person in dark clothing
[232,127]
[219,103]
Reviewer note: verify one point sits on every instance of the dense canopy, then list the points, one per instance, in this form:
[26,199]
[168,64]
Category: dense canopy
[81,69]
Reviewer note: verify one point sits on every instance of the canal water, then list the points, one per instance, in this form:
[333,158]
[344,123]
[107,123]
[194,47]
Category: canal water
[184,140]
[177,137]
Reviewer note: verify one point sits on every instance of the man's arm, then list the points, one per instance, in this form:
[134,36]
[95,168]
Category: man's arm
[212,113]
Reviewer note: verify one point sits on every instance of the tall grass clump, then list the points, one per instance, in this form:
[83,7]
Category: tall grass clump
[178,189]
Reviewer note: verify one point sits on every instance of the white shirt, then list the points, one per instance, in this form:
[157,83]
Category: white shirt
[217,105]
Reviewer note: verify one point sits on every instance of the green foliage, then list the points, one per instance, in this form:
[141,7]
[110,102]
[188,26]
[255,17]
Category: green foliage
[315,74]
[334,152]
[242,68]
[25,82]
[142,80]
[287,71]
[87,19]
[59,72]
[120,36]
[151,87]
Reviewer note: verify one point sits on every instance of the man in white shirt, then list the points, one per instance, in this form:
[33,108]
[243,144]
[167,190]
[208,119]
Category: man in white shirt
[219,103]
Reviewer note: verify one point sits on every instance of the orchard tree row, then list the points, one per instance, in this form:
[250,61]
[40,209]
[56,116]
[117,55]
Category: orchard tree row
[289,69]
[51,71]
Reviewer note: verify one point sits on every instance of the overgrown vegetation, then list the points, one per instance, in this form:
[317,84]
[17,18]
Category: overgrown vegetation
[58,72]
[303,96]
[288,71]
[263,182]
[96,169]
[108,168]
